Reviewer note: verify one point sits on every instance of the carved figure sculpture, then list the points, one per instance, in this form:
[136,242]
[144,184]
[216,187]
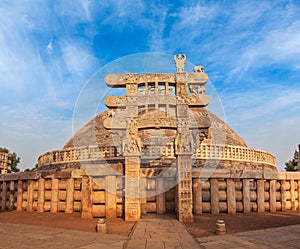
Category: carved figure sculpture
[179,60]
[198,69]
[134,138]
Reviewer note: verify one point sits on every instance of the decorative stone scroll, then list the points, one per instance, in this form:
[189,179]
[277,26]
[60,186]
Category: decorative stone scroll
[114,101]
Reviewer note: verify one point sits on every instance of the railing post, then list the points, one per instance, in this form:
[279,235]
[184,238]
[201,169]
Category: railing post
[260,196]
[54,196]
[283,196]
[11,195]
[20,196]
[110,197]
[197,195]
[70,196]
[41,195]
[3,196]
[231,201]
[214,195]
[246,196]
[273,196]
[293,199]
[30,191]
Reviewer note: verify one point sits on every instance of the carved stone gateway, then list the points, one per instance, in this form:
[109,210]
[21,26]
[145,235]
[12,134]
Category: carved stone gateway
[158,102]
[156,149]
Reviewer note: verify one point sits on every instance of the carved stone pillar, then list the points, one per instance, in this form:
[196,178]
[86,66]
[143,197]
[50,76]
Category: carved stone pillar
[132,202]
[185,191]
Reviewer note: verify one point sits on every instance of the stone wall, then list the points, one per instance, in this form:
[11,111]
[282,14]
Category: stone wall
[221,191]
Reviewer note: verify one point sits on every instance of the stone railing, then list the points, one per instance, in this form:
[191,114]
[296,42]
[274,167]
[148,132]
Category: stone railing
[236,153]
[233,191]
[205,151]
[157,151]
[79,154]
[218,191]
[93,153]
[65,191]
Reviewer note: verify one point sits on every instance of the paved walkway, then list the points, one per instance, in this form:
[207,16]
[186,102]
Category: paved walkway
[160,233]
[280,237]
[28,237]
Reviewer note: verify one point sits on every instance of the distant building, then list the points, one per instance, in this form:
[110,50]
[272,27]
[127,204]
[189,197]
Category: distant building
[4,162]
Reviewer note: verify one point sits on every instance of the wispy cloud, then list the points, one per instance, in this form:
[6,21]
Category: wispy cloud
[48,50]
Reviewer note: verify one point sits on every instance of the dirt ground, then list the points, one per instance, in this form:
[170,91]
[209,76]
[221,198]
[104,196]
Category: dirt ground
[203,226]
[66,221]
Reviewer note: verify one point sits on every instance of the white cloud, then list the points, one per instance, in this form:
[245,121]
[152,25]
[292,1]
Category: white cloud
[195,17]
[77,59]
[50,48]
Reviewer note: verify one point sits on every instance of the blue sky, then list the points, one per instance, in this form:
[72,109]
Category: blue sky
[49,49]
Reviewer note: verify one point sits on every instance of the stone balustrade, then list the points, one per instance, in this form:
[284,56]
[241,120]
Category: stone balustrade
[157,151]
[236,153]
[205,151]
[79,154]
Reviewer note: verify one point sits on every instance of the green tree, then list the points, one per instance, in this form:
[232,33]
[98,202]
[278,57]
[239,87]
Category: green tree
[14,160]
[290,165]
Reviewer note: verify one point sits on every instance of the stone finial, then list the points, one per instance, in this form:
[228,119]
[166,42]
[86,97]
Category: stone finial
[179,60]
